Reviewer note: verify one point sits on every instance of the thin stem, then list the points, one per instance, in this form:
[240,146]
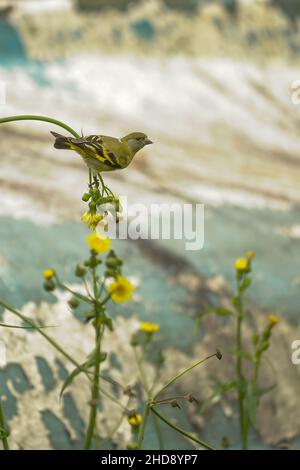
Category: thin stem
[76,294]
[143,426]
[178,376]
[95,394]
[118,424]
[30,117]
[246,418]
[5,325]
[167,400]
[144,381]
[3,430]
[240,379]
[181,431]
[158,433]
[87,289]
[239,368]
[141,372]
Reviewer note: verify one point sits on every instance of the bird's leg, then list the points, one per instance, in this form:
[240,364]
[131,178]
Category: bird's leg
[90,178]
[96,181]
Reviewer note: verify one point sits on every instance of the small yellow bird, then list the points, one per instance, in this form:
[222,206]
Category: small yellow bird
[104,153]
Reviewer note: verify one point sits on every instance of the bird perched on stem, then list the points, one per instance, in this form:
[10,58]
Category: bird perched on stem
[104,153]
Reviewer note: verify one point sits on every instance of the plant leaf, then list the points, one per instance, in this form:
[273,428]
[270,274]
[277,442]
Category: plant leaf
[83,367]
[246,283]
[223,312]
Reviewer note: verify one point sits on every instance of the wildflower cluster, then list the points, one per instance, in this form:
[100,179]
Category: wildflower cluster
[101,201]
[246,385]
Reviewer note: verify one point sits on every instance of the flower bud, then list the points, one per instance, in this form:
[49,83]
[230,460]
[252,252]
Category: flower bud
[80,271]
[49,285]
[219,355]
[73,302]
[175,404]
[109,273]
[112,263]
[86,197]
[134,341]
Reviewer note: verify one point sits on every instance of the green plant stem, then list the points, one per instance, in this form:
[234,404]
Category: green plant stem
[181,374]
[158,433]
[30,117]
[139,362]
[117,425]
[4,438]
[240,378]
[254,384]
[144,381]
[95,393]
[76,294]
[181,431]
[5,325]
[143,426]
[239,368]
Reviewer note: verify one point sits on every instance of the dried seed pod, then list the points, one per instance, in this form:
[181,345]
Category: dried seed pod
[219,355]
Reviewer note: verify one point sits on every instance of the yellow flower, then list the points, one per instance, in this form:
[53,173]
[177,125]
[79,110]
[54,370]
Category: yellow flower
[149,327]
[273,320]
[121,290]
[92,219]
[97,243]
[250,254]
[241,264]
[48,274]
[135,420]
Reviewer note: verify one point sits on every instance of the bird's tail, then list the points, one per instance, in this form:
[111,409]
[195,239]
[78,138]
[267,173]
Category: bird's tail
[61,142]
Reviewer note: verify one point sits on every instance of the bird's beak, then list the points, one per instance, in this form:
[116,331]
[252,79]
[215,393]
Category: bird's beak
[148,141]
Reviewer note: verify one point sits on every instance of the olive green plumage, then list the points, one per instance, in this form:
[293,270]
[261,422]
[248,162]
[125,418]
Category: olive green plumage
[104,153]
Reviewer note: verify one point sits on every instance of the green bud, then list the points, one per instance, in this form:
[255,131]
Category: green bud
[49,285]
[134,341]
[160,358]
[111,263]
[73,302]
[108,322]
[80,271]
[96,194]
[93,262]
[86,197]
[110,273]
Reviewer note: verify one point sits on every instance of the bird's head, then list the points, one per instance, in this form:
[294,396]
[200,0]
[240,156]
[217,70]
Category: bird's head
[136,141]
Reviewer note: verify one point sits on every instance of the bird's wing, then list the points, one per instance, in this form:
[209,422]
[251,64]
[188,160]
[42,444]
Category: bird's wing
[98,147]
